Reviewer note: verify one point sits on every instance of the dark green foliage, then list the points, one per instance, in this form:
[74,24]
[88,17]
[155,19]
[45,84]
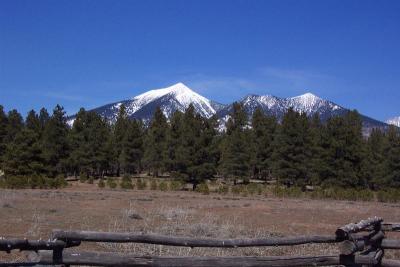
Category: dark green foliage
[89,152]
[55,143]
[264,128]
[156,143]
[235,146]
[333,156]
[23,155]
[126,182]
[292,150]
[132,149]
[392,158]
[3,133]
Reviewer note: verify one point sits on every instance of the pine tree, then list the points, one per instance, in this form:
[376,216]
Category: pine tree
[15,124]
[392,162]
[23,154]
[373,162]
[292,150]
[174,143]
[346,151]
[32,122]
[43,118]
[55,142]
[156,143]
[3,133]
[120,128]
[235,147]
[132,151]
[263,129]
[203,161]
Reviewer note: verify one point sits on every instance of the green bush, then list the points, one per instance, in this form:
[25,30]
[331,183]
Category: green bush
[203,188]
[90,180]
[163,186]
[101,183]
[126,182]
[281,191]
[175,185]
[223,189]
[111,183]
[141,184]
[83,176]
[153,184]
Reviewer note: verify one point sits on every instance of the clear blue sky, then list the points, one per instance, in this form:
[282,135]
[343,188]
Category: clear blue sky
[89,53]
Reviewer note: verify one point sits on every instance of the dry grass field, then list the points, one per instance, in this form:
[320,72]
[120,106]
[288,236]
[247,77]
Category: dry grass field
[34,213]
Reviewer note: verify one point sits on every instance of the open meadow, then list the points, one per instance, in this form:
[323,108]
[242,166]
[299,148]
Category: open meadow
[34,213]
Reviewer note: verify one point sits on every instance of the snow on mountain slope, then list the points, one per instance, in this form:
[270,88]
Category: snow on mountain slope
[394,121]
[310,103]
[181,95]
[169,99]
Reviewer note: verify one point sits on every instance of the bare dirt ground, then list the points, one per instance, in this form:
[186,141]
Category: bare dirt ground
[34,213]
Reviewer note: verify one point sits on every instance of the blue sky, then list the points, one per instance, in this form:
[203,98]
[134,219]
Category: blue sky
[89,53]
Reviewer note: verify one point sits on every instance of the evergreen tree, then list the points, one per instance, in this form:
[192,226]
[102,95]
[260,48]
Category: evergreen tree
[203,161]
[15,124]
[23,154]
[373,162]
[346,151]
[263,136]
[235,147]
[55,142]
[174,143]
[43,118]
[120,128]
[156,143]
[392,162]
[32,122]
[132,151]
[292,150]
[3,133]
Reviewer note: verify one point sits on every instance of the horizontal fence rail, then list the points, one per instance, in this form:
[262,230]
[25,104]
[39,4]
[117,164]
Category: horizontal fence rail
[90,236]
[360,244]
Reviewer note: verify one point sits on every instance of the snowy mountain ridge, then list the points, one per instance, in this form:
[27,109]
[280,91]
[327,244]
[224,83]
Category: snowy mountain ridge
[179,96]
[394,121]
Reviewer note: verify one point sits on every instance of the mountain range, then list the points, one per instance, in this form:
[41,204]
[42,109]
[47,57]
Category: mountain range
[179,97]
[394,121]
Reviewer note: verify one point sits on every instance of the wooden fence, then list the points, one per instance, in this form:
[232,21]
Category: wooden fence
[360,244]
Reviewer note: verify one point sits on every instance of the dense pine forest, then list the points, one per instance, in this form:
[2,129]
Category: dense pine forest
[41,150]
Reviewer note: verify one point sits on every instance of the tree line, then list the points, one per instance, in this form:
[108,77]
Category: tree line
[296,151]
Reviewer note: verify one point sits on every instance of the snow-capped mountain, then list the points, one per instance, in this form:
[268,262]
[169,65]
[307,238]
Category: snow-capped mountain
[272,105]
[394,121]
[178,97]
[170,99]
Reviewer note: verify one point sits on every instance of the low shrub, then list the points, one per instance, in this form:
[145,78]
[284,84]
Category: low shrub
[101,183]
[153,184]
[126,182]
[203,188]
[163,186]
[223,189]
[175,185]
[111,183]
[141,184]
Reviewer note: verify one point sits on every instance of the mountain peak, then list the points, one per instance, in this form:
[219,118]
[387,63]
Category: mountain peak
[308,96]
[394,121]
[179,88]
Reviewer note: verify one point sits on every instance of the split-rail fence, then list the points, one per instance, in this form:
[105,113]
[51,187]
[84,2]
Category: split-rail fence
[360,244]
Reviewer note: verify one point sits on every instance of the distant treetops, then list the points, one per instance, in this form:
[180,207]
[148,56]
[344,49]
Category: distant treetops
[295,151]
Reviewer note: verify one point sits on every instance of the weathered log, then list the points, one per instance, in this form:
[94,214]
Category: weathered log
[359,243]
[24,244]
[390,244]
[391,227]
[343,232]
[113,259]
[390,263]
[187,241]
